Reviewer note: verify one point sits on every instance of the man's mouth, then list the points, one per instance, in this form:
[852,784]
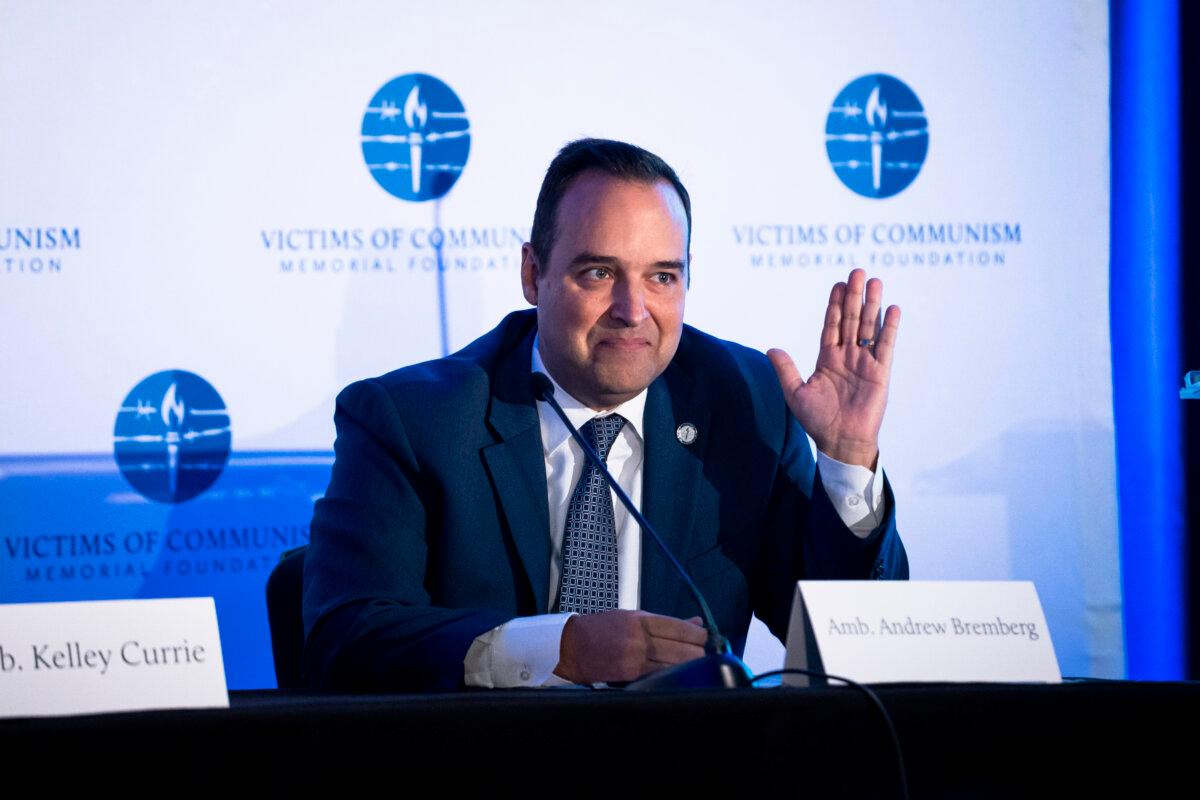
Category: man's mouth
[623,345]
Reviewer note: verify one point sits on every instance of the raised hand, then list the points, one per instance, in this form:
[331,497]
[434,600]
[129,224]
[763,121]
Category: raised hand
[841,405]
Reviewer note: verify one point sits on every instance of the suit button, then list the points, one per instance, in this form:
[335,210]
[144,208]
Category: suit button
[878,573]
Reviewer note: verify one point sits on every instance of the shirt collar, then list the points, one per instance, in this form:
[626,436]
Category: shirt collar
[555,434]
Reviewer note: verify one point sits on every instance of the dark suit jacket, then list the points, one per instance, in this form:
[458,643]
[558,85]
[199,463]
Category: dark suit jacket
[435,526]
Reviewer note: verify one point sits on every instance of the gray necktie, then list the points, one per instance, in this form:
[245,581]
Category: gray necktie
[589,571]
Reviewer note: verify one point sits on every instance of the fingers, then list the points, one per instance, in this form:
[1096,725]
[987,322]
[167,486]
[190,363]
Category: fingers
[852,308]
[868,326]
[675,630]
[857,313]
[831,333]
[672,641]
[661,653]
[789,376]
[886,342]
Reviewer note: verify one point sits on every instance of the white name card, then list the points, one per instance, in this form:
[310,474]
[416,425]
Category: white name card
[110,655]
[920,631]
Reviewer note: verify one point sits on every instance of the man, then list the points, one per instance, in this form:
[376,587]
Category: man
[462,529]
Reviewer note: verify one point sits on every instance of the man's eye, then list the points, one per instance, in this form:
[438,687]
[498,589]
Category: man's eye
[665,278]
[598,273]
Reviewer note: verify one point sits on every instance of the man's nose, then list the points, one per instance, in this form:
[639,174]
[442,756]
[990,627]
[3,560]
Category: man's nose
[628,303]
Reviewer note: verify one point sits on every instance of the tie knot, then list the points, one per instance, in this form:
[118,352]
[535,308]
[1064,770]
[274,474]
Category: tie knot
[602,432]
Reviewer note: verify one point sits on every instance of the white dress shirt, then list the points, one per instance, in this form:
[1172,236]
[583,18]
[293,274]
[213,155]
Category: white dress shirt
[524,651]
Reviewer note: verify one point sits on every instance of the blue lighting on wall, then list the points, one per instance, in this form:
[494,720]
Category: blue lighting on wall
[1145,329]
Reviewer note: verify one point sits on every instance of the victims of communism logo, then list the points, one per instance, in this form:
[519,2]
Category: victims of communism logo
[877,136]
[171,438]
[416,137]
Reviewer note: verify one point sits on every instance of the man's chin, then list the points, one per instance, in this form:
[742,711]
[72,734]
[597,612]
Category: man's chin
[613,390]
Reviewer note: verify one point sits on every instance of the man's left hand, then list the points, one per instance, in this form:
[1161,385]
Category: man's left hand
[841,404]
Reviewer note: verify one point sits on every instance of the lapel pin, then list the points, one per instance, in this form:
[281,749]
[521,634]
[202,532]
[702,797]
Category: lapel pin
[686,433]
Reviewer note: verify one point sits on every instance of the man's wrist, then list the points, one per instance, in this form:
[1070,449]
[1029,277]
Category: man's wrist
[520,653]
[855,492]
[566,668]
[858,455]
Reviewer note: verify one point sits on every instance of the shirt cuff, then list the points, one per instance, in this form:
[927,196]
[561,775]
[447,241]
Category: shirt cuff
[855,491]
[522,652]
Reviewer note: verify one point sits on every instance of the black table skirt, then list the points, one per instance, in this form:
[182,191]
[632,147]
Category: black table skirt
[959,741]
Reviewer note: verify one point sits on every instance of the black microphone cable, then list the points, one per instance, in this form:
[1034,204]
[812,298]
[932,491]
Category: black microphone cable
[874,698]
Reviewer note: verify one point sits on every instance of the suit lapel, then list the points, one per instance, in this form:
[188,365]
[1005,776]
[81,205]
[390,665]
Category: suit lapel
[517,468]
[671,473]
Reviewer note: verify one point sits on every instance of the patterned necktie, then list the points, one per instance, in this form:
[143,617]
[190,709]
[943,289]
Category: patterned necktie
[589,571]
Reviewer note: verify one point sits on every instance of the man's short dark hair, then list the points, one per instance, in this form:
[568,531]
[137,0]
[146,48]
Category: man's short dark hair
[618,159]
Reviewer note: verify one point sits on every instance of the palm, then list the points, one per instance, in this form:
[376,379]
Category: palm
[841,405]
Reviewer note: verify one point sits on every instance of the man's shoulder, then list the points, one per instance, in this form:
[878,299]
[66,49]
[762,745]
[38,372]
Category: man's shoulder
[718,359]
[466,376]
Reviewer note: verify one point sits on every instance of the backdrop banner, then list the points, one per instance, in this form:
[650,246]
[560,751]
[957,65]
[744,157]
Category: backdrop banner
[214,215]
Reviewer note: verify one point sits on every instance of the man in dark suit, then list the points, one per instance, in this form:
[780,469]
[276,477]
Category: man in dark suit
[451,529]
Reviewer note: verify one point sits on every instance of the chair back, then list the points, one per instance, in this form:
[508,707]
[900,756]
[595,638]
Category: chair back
[285,589]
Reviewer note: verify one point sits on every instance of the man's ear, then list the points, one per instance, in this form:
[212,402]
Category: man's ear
[530,271]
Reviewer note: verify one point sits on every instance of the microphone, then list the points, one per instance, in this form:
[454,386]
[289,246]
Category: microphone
[719,667]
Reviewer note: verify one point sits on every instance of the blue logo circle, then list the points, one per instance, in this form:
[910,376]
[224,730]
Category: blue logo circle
[416,137]
[171,438]
[877,136]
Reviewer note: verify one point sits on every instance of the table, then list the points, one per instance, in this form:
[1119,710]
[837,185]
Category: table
[959,741]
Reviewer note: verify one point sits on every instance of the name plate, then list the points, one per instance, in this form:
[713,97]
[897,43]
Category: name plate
[920,631]
[110,655]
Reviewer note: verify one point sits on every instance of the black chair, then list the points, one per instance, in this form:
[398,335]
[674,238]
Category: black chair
[285,588]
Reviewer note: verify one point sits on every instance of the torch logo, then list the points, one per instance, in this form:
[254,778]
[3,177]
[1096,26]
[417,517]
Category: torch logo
[171,438]
[877,136]
[416,137]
